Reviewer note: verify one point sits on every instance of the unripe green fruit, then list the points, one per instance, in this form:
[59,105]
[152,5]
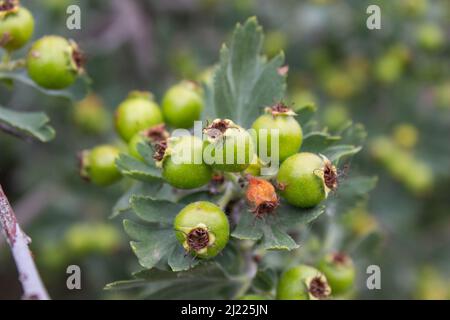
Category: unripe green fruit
[138,112]
[430,37]
[98,165]
[16,28]
[134,142]
[84,238]
[340,272]
[303,283]
[202,228]
[182,105]
[290,133]
[302,181]
[54,62]
[231,147]
[91,116]
[335,116]
[183,166]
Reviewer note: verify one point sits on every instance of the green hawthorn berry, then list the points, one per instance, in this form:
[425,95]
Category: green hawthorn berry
[306,178]
[54,62]
[98,165]
[336,116]
[202,228]
[182,105]
[86,238]
[182,163]
[339,270]
[16,25]
[388,69]
[138,112]
[290,135]
[430,37]
[303,283]
[229,147]
[91,116]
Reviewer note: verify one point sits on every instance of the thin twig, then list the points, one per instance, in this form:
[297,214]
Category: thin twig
[32,285]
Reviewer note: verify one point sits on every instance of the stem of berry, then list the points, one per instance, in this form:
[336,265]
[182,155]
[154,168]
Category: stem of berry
[227,196]
[9,65]
[33,288]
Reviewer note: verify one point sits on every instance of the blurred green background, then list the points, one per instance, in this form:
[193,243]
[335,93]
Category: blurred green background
[396,81]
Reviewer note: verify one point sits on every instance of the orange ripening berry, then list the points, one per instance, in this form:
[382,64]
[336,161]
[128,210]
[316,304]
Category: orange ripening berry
[262,196]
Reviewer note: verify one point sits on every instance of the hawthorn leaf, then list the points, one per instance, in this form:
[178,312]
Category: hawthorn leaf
[317,141]
[202,282]
[137,170]
[335,153]
[155,210]
[75,92]
[32,124]
[138,189]
[273,229]
[151,244]
[245,82]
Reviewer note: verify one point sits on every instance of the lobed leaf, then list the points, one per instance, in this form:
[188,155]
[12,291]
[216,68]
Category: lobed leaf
[154,210]
[137,170]
[244,82]
[202,282]
[273,230]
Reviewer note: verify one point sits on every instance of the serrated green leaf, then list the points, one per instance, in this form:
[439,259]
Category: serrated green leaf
[33,124]
[316,141]
[146,151]
[275,238]
[272,229]
[203,282]
[335,153]
[138,189]
[179,260]
[75,92]
[248,227]
[244,82]
[154,210]
[135,169]
[152,242]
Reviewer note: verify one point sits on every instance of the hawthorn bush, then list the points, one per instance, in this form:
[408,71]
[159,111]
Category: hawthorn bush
[335,74]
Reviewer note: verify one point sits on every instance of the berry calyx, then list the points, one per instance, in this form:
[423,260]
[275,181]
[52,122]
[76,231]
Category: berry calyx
[137,112]
[229,147]
[16,25]
[98,165]
[306,179]
[182,163]
[156,135]
[340,272]
[182,105]
[54,62]
[303,283]
[202,228]
[261,196]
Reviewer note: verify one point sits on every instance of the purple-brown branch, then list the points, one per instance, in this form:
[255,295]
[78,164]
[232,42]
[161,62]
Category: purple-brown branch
[18,241]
